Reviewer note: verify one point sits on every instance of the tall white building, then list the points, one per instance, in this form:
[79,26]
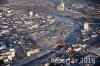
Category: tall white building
[61,7]
[86,26]
[30,13]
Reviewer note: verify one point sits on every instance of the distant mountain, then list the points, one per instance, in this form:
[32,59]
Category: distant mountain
[43,2]
[22,1]
[49,2]
[4,1]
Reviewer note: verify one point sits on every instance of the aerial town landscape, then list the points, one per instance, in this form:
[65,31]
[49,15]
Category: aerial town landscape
[49,32]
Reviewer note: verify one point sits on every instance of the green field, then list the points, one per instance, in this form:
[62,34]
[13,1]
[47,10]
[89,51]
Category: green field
[67,2]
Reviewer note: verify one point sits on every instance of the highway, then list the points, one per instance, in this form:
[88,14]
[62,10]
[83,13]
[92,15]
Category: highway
[38,60]
[45,57]
[41,59]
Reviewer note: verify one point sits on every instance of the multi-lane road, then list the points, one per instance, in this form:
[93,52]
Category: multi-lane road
[37,61]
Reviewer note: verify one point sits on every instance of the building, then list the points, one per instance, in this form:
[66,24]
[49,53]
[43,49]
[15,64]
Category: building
[86,26]
[30,14]
[77,48]
[61,7]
